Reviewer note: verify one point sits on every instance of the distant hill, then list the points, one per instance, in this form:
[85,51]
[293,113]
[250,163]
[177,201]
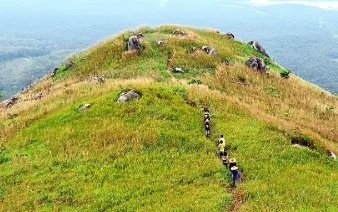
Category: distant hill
[151,154]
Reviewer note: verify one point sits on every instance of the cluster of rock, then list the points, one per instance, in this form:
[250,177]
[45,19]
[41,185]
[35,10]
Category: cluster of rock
[258,48]
[12,101]
[39,97]
[134,41]
[128,95]
[26,89]
[257,63]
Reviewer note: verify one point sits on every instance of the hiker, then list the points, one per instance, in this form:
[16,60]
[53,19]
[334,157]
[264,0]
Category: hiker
[235,175]
[207,128]
[206,117]
[225,160]
[221,147]
[232,163]
[221,139]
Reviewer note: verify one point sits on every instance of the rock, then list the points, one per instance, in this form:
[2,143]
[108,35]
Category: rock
[128,95]
[134,42]
[257,64]
[225,62]
[230,35]
[26,89]
[160,42]
[179,32]
[209,50]
[84,107]
[176,70]
[258,47]
[53,73]
[12,101]
[100,79]
[39,97]
[331,155]
[69,64]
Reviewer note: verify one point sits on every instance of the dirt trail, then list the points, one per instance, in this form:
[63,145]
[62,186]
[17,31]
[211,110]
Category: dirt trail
[237,195]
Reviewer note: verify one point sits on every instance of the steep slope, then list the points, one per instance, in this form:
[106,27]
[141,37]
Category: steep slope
[151,153]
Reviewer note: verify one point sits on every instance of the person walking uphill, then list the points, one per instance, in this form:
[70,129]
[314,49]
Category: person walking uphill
[221,147]
[207,128]
[235,175]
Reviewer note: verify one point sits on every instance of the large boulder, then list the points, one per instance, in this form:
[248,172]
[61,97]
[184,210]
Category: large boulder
[179,32]
[258,47]
[209,50]
[177,70]
[134,42]
[128,95]
[160,42]
[256,63]
[12,101]
[230,35]
[53,73]
[69,65]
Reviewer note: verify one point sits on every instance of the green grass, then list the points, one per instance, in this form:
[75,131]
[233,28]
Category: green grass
[151,154]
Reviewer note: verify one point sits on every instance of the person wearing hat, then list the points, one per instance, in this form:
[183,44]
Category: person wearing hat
[232,162]
[235,175]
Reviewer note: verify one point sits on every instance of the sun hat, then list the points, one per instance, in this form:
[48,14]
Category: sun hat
[232,160]
[234,168]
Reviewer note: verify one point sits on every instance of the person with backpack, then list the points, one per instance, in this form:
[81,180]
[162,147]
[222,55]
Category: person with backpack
[235,175]
[207,128]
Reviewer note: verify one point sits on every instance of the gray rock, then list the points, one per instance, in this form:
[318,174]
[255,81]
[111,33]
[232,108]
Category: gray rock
[69,64]
[160,42]
[84,107]
[128,95]
[257,63]
[209,50]
[134,42]
[39,97]
[176,70]
[179,32]
[12,101]
[53,73]
[258,47]
[230,35]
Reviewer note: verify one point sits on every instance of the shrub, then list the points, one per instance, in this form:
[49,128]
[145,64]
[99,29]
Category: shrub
[285,74]
[195,81]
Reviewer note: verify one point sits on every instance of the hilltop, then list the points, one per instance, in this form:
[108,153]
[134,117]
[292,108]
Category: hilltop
[151,153]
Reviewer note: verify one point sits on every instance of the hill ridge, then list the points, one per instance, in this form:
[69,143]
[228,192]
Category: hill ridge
[147,154]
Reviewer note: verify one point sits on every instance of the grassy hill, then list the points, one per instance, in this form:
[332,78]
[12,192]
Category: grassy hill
[151,154]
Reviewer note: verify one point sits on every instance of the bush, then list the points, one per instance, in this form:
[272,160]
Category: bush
[194,81]
[285,74]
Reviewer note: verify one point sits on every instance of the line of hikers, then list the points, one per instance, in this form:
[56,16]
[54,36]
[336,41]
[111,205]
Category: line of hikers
[229,164]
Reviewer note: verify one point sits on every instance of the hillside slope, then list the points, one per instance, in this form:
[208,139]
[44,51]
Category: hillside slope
[151,153]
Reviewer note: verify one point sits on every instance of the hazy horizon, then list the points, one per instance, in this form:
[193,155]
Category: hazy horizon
[36,36]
